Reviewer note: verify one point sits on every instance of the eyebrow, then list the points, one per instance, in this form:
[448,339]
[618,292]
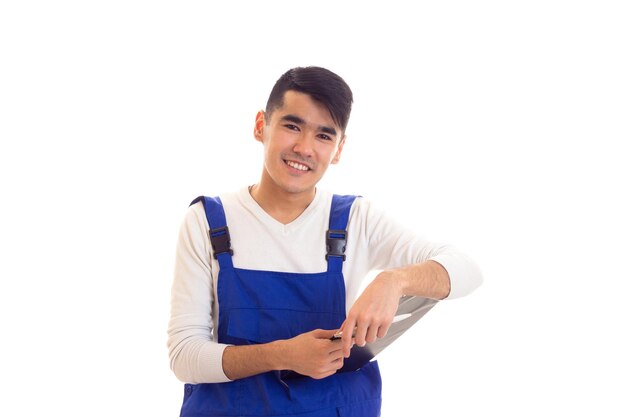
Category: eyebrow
[298,120]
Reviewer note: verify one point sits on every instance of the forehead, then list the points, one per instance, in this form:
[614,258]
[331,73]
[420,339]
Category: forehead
[304,107]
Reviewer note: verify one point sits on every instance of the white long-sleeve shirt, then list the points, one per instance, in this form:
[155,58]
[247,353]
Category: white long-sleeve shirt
[259,242]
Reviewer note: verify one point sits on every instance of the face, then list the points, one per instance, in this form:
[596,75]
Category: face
[300,140]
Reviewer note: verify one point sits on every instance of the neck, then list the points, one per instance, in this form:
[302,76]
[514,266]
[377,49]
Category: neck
[282,205]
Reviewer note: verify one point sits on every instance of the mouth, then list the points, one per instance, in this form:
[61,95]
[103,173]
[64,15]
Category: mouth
[297,165]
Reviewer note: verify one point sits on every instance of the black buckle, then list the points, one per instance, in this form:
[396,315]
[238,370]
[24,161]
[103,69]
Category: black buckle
[220,240]
[336,243]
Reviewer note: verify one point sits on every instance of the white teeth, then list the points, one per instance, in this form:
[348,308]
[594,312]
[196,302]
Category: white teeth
[297,166]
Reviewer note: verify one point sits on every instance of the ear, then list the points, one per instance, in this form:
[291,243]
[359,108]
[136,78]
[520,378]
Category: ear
[339,149]
[259,125]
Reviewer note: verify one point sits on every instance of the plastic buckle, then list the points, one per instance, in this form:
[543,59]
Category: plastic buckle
[220,240]
[336,243]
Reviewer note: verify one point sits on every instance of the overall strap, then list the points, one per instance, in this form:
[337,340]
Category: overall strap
[337,234]
[218,230]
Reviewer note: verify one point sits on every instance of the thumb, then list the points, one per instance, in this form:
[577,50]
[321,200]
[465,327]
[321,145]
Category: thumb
[324,334]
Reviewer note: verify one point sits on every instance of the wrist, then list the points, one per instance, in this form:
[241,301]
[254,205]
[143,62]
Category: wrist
[277,354]
[397,278]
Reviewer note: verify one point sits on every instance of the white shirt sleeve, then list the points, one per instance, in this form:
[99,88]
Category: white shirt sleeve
[391,245]
[194,355]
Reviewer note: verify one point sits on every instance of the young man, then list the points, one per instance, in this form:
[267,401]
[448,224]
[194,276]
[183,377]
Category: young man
[252,321]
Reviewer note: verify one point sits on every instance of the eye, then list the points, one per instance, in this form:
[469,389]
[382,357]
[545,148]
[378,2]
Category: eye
[324,137]
[292,127]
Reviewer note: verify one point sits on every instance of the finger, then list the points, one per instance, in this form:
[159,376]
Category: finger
[361,333]
[329,369]
[346,338]
[382,330]
[372,332]
[323,334]
[336,354]
[324,375]
[337,363]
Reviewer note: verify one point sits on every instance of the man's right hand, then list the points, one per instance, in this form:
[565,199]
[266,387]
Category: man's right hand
[312,354]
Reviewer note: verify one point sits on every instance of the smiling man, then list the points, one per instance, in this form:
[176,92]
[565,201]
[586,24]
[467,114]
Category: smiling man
[267,275]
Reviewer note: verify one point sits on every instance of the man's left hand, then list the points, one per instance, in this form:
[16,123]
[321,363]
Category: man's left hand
[372,313]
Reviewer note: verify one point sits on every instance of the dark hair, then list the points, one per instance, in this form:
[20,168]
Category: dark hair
[322,85]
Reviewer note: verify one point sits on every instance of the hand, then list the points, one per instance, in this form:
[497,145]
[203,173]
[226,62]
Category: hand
[373,312]
[314,354]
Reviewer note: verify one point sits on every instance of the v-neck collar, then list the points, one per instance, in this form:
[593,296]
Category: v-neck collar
[248,201]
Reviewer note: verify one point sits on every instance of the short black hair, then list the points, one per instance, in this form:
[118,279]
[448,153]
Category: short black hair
[322,85]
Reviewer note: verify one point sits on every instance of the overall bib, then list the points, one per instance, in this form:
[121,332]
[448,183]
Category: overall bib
[264,306]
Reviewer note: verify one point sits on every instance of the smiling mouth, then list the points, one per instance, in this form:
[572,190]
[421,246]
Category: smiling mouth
[297,165]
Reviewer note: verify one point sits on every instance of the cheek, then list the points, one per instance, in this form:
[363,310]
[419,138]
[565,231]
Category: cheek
[331,154]
[277,142]
[273,150]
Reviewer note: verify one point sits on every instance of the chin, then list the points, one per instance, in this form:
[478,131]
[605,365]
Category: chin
[293,189]
[297,187]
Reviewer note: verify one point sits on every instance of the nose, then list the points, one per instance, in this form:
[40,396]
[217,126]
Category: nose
[304,144]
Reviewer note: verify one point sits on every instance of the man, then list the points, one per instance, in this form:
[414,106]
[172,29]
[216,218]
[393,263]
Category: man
[252,325]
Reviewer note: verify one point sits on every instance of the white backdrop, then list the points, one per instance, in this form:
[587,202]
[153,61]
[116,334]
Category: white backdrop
[491,125]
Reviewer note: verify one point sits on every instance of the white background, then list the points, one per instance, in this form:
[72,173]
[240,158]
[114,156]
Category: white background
[497,126]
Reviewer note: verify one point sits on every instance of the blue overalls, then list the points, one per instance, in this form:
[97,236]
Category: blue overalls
[263,306]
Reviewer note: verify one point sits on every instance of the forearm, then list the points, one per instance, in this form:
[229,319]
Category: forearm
[427,279]
[244,361]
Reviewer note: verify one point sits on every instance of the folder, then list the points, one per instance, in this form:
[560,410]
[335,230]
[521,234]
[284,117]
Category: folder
[410,310]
